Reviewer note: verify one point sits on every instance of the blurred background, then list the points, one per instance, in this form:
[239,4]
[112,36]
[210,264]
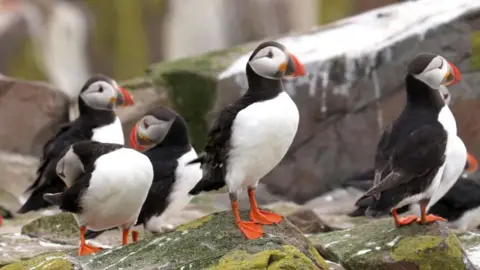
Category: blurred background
[48,48]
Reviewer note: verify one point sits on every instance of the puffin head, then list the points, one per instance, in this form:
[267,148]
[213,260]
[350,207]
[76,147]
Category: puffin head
[433,70]
[69,167]
[271,60]
[102,93]
[157,126]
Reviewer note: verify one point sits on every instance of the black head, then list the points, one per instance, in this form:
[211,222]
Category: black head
[102,93]
[271,60]
[433,70]
[159,126]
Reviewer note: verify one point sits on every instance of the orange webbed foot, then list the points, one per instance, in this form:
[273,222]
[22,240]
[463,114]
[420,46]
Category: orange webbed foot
[86,249]
[250,229]
[265,217]
[430,219]
[405,220]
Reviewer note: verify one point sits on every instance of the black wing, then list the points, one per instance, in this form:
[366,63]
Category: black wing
[382,155]
[214,158]
[70,200]
[421,153]
[88,152]
[47,179]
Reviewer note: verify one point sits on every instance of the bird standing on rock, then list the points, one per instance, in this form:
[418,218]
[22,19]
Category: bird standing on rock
[252,135]
[419,156]
[107,185]
[97,100]
[163,136]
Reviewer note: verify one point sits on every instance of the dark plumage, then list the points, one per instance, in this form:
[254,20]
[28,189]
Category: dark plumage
[80,129]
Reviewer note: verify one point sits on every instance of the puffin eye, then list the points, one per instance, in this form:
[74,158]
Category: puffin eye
[145,124]
[270,54]
[100,90]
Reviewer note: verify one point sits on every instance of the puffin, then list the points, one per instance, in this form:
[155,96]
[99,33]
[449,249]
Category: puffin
[419,156]
[98,98]
[162,135]
[460,200]
[253,134]
[107,185]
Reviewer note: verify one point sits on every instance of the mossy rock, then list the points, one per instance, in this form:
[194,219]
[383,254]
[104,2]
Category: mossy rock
[55,260]
[192,85]
[380,245]
[59,228]
[211,242]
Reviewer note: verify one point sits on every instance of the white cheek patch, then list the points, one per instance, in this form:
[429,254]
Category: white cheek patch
[432,78]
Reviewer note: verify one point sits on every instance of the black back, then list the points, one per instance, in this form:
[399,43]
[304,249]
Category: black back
[414,146]
[88,152]
[215,156]
[78,130]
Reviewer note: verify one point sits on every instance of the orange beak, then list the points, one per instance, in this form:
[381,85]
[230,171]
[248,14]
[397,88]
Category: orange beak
[294,67]
[472,163]
[126,97]
[134,140]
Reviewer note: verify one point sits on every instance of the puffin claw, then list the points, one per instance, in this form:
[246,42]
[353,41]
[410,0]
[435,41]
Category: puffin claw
[430,219]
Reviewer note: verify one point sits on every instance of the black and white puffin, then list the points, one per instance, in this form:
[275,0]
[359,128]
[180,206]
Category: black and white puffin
[455,206]
[107,185]
[97,100]
[419,156]
[163,136]
[252,135]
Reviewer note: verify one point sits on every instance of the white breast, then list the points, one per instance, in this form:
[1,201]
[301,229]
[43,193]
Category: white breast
[186,177]
[261,136]
[118,188]
[455,157]
[112,133]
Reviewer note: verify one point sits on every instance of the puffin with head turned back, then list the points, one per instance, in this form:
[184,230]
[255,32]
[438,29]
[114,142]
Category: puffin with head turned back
[107,185]
[97,100]
[163,136]
[419,156]
[252,135]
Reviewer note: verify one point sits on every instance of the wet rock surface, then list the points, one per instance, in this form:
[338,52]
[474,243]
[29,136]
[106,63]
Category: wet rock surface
[211,242]
[379,245]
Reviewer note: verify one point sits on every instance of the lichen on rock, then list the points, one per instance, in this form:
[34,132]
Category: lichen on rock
[380,245]
[211,242]
[60,228]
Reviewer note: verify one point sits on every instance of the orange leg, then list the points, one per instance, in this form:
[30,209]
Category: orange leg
[261,216]
[125,236]
[402,221]
[135,235]
[426,219]
[250,229]
[1,219]
[86,249]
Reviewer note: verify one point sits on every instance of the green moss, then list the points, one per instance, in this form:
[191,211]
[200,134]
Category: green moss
[289,257]
[194,224]
[47,262]
[24,65]
[475,57]
[58,228]
[314,253]
[430,252]
[333,10]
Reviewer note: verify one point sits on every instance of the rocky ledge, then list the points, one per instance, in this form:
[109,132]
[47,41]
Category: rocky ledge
[211,242]
[379,245]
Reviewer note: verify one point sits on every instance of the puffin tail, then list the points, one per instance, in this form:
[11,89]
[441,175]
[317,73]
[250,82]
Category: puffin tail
[364,201]
[200,159]
[53,198]
[36,200]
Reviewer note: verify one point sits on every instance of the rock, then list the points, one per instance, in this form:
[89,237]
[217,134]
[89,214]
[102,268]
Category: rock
[18,172]
[15,247]
[353,89]
[30,113]
[211,242]
[471,243]
[379,245]
[60,228]
[309,222]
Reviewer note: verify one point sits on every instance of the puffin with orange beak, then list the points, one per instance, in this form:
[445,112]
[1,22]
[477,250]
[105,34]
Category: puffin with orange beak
[98,99]
[419,156]
[252,135]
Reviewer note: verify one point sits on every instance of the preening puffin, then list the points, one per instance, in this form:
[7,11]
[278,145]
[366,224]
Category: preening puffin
[419,156]
[252,135]
[107,185]
[97,100]
[163,136]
